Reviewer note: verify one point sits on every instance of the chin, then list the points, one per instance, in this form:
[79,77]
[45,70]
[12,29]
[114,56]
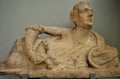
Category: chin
[89,25]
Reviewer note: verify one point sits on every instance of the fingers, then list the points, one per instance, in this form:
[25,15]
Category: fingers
[33,27]
[29,27]
[36,27]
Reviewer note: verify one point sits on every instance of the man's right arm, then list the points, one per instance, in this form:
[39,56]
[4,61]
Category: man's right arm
[54,31]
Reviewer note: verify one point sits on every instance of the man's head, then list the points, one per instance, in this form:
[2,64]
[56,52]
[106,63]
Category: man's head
[82,15]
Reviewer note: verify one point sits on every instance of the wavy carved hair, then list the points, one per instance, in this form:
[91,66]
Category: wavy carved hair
[75,11]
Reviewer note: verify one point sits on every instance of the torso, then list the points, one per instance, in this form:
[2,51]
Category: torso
[69,49]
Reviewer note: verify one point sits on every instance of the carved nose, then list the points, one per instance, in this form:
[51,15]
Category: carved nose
[90,15]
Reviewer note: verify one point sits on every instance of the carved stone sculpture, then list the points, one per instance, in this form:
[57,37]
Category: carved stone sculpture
[71,52]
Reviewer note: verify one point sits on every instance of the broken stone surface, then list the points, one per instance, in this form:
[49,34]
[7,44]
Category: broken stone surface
[69,52]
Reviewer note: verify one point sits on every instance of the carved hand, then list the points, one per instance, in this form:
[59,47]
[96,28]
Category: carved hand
[38,28]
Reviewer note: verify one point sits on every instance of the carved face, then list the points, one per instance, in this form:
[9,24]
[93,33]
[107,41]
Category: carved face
[83,16]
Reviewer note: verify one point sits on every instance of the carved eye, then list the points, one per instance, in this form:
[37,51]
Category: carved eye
[86,10]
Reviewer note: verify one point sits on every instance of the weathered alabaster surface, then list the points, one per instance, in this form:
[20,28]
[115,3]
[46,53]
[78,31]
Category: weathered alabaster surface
[69,52]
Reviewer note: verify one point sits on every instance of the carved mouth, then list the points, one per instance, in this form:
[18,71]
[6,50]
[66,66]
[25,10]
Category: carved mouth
[90,20]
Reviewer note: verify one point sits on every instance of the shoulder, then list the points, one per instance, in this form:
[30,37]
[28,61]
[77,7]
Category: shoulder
[67,29]
[66,32]
[99,38]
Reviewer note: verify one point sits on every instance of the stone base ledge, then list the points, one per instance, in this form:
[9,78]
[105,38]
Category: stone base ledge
[65,73]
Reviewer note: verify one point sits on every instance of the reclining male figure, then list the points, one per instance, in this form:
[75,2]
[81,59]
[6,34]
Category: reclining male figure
[66,48]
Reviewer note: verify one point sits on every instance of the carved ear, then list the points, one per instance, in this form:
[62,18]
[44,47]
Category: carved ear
[72,17]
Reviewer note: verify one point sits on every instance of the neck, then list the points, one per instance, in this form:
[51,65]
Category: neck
[81,32]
